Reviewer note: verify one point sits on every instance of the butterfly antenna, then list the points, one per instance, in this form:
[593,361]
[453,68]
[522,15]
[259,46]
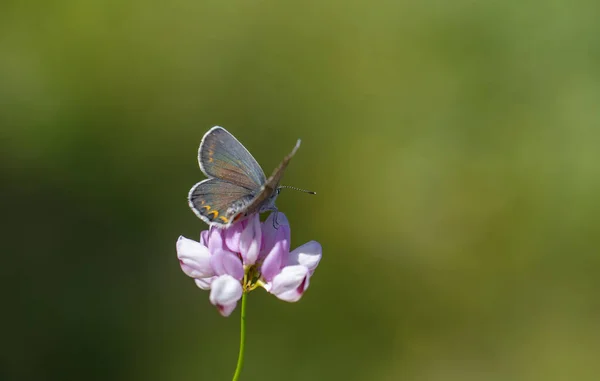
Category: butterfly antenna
[298,189]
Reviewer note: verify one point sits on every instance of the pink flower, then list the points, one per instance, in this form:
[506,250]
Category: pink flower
[246,255]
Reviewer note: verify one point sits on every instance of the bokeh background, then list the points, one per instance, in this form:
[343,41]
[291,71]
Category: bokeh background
[454,146]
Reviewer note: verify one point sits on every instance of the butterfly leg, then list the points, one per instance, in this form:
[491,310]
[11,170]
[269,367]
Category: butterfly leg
[275,221]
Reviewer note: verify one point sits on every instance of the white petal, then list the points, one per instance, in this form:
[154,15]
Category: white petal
[227,310]
[194,258]
[307,255]
[225,291]
[295,294]
[204,283]
[290,283]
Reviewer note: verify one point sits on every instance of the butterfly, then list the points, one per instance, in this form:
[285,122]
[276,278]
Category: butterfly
[236,186]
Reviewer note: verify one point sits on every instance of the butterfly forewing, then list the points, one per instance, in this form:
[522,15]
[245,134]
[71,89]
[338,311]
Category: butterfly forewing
[272,183]
[219,202]
[222,156]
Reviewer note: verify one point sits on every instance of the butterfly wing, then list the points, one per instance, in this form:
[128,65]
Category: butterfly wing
[223,157]
[265,198]
[218,202]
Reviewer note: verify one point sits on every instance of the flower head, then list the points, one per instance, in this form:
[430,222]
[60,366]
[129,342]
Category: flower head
[248,254]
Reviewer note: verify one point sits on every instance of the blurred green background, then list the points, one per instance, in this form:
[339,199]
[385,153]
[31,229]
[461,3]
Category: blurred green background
[453,146]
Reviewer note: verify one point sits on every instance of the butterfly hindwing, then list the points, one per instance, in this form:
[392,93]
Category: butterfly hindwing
[223,157]
[219,202]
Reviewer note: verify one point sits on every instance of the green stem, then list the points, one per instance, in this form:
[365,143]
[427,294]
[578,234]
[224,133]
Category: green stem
[240,363]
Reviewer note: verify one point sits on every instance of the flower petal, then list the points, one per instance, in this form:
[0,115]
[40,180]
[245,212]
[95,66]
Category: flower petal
[232,236]
[214,239]
[272,264]
[250,240]
[290,283]
[194,258]
[294,295]
[204,237]
[204,283]
[271,234]
[308,255]
[226,310]
[224,294]
[225,262]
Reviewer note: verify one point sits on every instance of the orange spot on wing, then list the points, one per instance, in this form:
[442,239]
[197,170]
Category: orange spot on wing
[206,206]
[214,212]
[225,219]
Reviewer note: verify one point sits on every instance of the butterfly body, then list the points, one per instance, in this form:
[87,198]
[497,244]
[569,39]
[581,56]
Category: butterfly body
[236,186]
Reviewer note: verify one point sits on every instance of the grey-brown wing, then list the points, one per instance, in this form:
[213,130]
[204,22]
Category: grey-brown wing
[270,186]
[223,157]
[218,202]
